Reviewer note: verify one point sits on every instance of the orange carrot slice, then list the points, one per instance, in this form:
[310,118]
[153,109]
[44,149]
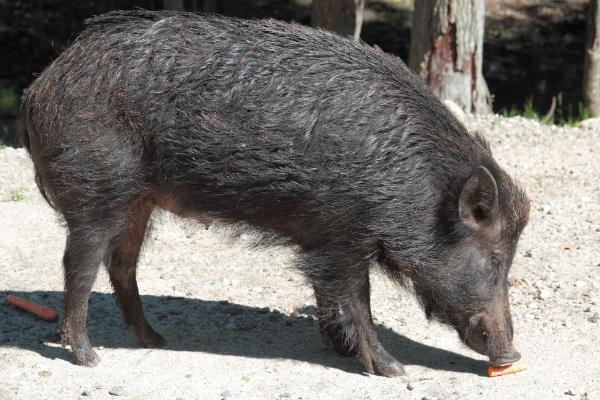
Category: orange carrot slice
[506,369]
[45,313]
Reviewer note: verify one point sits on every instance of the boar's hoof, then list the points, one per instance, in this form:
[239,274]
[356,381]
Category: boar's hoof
[152,339]
[378,359]
[146,334]
[333,334]
[392,369]
[86,358]
[82,349]
[343,348]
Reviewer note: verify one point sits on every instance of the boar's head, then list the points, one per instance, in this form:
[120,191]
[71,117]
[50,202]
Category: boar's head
[465,284]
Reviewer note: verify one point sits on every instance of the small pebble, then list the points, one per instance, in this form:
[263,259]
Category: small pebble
[514,282]
[117,391]
[188,375]
[594,318]
[284,396]
[544,294]
[86,393]
[45,374]
[410,386]
[581,285]
[226,395]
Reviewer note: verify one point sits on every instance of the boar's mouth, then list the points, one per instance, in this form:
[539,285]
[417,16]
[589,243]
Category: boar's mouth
[500,362]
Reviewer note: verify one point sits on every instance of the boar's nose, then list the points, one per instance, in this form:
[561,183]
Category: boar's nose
[510,357]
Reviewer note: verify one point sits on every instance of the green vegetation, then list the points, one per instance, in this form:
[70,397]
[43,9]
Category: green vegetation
[555,116]
[302,3]
[571,118]
[8,100]
[17,195]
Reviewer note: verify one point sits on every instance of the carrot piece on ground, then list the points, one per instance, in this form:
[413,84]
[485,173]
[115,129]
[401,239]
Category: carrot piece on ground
[45,313]
[506,369]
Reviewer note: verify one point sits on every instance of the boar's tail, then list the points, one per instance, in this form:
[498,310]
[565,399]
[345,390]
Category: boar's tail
[23,133]
[25,140]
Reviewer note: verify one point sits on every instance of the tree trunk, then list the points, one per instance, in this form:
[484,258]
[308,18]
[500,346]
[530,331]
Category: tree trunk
[446,50]
[342,16]
[591,66]
[173,5]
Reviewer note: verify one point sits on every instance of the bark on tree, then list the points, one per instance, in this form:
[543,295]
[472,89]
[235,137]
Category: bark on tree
[342,16]
[591,66]
[174,5]
[446,50]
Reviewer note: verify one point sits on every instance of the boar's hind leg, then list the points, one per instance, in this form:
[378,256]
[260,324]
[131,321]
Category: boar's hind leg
[81,260]
[121,266]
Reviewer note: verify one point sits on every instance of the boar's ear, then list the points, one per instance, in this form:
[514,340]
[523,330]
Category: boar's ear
[478,199]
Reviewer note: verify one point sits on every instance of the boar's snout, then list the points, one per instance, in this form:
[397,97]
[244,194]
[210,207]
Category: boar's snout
[492,339]
[511,357]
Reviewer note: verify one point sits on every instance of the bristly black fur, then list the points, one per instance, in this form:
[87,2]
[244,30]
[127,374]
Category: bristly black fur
[299,134]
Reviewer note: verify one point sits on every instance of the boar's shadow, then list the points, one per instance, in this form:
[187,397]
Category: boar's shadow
[190,324]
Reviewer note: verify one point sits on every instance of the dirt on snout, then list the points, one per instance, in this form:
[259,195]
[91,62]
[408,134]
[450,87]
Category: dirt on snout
[240,322]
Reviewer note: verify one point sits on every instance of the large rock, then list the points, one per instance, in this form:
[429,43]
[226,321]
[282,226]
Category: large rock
[455,109]
[590,123]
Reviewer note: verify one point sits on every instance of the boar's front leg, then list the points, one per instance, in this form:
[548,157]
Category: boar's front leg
[344,311]
[370,350]
[336,328]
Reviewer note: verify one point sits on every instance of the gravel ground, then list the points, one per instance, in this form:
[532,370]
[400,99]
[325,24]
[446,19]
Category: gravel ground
[239,322]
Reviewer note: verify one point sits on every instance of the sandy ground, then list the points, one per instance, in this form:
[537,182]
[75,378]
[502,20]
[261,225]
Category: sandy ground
[239,322]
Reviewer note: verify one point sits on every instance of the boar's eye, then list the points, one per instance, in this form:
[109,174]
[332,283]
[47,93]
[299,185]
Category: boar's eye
[496,260]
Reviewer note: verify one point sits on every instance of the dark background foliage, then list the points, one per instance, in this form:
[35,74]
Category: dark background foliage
[533,49]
